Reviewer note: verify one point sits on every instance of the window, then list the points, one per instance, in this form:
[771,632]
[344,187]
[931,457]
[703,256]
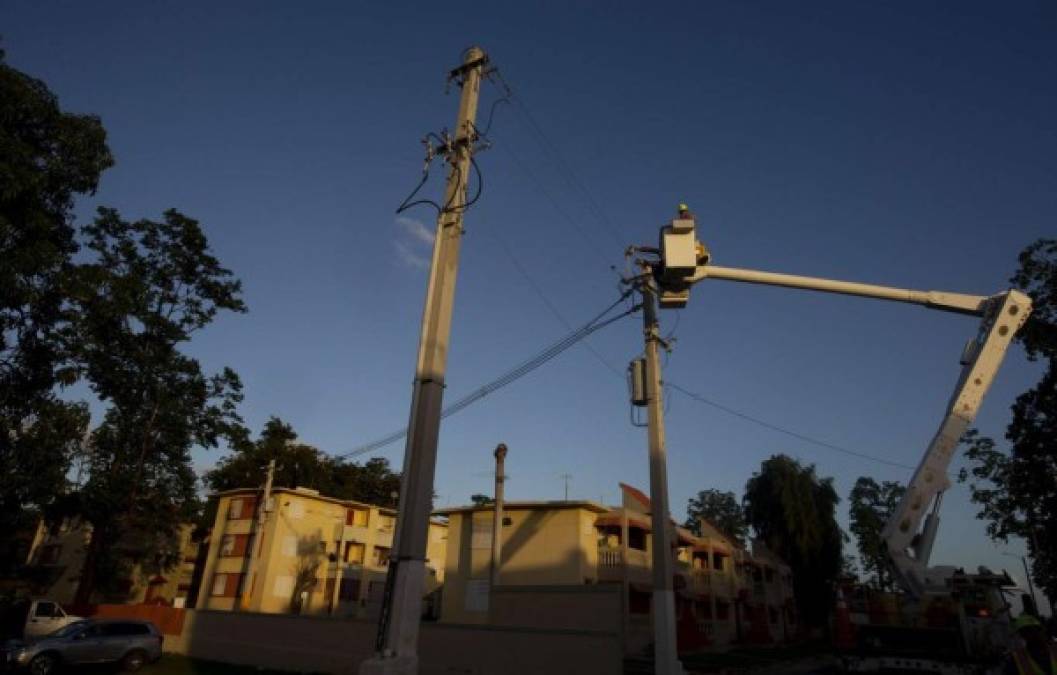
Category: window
[637,538]
[481,537]
[349,590]
[290,545]
[638,602]
[241,508]
[380,558]
[702,610]
[718,561]
[507,521]
[385,523]
[225,585]
[233,545]
[354,552]
[284,587]
[322,547]
[220,584]
[49,555]
[46,609]
[357,517]
[121,628]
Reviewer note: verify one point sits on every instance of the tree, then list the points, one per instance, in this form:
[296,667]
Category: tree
[47,157]
[1017,490]
[298,464]
[870,506]
[794,512]
[481,500]
[148,287]
[719,508]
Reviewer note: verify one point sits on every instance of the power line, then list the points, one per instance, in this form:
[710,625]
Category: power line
[512,375]
[782,430]
[576,224]
[559,160]
[550,305]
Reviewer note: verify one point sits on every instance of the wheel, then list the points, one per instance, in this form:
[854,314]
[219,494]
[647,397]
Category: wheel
[44,664]
[133,661]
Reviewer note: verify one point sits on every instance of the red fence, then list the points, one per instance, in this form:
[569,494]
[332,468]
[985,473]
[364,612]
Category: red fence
[169,620]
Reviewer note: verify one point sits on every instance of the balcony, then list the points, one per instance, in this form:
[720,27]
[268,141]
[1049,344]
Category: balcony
[614,563]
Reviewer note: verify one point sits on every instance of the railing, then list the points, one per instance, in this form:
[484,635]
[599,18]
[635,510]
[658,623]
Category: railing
[610,557]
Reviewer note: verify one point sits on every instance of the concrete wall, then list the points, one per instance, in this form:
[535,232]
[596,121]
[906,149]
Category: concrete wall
[321,644]
[596,607]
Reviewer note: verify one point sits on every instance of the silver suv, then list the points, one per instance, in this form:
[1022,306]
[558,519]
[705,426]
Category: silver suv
[130,642]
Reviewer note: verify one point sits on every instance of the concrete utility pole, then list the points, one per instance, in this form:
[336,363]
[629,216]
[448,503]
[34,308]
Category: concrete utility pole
[665,655]
[497,519]
[258,532]
[397,641]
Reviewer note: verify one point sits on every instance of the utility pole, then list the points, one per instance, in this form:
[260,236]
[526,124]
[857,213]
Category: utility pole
[398,624]
[258,532]
[497,519]
[665,655]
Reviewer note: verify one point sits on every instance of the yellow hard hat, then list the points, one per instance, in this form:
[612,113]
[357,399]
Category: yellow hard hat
[1025,621]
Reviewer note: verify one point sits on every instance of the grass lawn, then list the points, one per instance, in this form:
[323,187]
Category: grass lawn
[172,664]
[746,658]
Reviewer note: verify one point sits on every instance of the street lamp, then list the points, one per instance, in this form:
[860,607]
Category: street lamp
[1027,575]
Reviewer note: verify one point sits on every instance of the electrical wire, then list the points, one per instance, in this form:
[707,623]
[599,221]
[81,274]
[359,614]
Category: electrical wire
[524,368]
[774,427]
[550,305]
[559,160]
[576,224]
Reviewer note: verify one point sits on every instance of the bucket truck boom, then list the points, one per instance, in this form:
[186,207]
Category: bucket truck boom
[911,531]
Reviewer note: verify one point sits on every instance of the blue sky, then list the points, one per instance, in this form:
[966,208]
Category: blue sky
[910,144]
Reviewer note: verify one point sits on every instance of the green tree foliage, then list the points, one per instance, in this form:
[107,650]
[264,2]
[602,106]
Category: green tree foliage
[870,505]
[47,157]
[1017,491]
[301,465]
[481,500]
[794,512]
[719,508]
[147,288]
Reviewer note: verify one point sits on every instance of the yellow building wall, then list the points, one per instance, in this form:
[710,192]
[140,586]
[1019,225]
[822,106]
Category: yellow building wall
[305,536]
[540,546]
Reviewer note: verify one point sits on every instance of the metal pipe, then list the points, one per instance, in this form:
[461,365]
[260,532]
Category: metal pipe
[497,519]
[952,302]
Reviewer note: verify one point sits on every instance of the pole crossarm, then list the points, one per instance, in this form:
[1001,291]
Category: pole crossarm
[960,303]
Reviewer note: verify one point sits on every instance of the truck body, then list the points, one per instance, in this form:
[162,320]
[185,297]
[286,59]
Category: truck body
[32,619]
[945,620]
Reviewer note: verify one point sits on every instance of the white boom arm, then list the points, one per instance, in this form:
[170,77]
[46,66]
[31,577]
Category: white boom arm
[909,545]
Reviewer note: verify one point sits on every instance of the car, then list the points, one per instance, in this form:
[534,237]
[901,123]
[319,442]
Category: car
[130,642]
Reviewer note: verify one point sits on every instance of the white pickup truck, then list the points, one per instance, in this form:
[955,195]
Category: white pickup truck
[33,619]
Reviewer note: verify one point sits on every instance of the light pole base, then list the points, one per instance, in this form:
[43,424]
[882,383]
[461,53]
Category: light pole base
[390,665]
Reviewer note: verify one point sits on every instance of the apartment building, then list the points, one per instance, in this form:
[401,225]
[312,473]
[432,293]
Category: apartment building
[56,558]
[725,594]
[313,555]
